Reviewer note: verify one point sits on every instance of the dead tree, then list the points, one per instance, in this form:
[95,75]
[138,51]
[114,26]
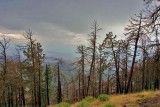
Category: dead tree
[134,32]
[92,47]
[81,50]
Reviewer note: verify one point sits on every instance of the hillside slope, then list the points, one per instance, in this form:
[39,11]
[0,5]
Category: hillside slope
[142,99]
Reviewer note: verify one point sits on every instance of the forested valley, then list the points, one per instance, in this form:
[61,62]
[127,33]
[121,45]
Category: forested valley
[114,66]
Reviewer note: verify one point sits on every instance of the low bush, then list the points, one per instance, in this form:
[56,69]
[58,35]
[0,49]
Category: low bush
[63,104]
[89,99]
[86,102]
[103,97]
[83,103]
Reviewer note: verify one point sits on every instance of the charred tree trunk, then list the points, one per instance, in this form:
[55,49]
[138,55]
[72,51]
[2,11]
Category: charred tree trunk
[16,98]
[100,74]
[47,85]
[147,77]
[143,74]
[83,86]
[23,97]
[118,84]
[59,94]
[79,85]
[9,97]
[12,103]
[126,69]
[39,75]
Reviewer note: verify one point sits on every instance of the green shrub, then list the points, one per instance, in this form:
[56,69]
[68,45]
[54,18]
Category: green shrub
[86,102]
[103,97]
[89,99]
[68,101]
[83,103]
[110,105]
[63,104]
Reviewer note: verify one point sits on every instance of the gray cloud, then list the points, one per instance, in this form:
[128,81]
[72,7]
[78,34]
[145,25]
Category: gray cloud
[63,23]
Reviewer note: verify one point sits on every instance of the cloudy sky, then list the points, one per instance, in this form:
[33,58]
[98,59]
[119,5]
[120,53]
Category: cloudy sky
[60,25]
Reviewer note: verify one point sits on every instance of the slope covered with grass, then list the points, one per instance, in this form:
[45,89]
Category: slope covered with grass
[142,99]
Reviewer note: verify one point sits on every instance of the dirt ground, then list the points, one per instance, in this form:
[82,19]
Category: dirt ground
[150,102]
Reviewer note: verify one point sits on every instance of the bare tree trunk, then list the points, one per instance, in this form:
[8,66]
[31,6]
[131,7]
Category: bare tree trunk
[35,92]
[157,59]
[47,85]
[23,97]
[16,97]
[9,97]
[100,74]
[79,85]
[93,40]
[19,95]
[134,56]
[39,75]
[126,68]
[143,74]
[32,100]
[118,85]
[83,87]
[147,77]
[59,94]
[91,71]
[12,103]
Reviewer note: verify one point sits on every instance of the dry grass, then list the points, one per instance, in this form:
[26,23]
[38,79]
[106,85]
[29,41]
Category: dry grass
[96,103]
[130,100]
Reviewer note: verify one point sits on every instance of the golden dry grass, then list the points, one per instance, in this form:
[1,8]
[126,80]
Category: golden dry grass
[130,100]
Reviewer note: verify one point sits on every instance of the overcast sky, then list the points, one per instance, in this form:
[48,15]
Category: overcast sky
[60,25]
